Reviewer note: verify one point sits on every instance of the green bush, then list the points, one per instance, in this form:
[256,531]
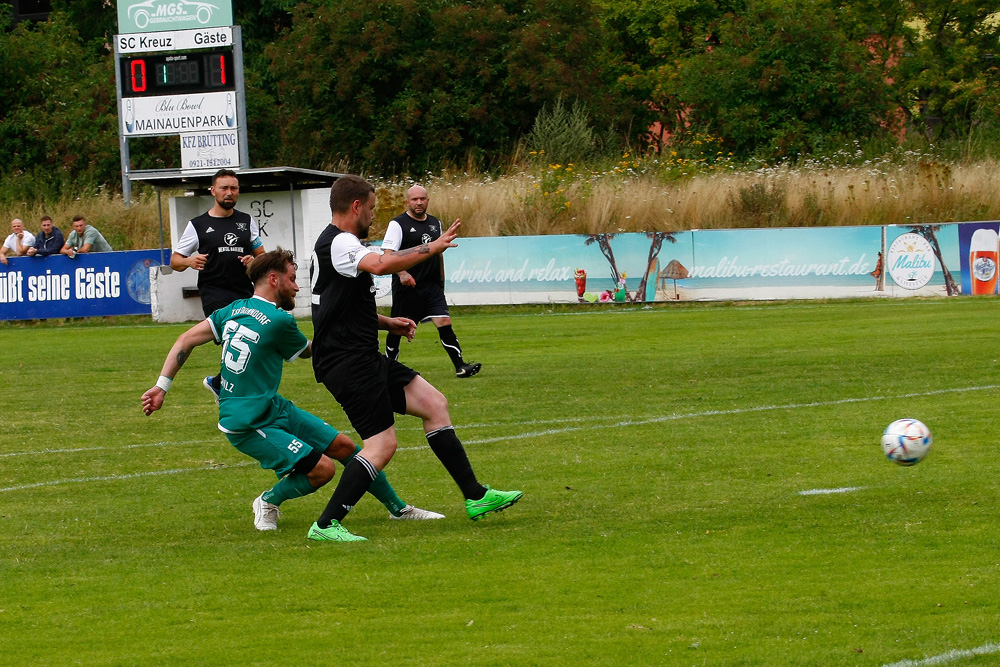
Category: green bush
[561,134]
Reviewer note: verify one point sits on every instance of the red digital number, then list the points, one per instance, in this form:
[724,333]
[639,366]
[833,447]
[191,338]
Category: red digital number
[138,76]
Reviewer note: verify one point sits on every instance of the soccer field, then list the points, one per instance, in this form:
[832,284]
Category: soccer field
[703,485]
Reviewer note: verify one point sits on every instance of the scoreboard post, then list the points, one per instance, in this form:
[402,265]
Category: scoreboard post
[187,83]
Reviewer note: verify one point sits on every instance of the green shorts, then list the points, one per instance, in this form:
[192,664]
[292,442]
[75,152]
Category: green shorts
[291,436]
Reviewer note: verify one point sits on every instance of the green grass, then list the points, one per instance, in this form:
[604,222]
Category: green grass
[662,452]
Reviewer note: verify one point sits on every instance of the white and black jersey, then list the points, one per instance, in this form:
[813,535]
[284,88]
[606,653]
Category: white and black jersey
[404,232]
[224,278]
[345,319]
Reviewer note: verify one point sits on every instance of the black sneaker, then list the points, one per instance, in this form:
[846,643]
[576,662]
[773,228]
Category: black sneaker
[467,370]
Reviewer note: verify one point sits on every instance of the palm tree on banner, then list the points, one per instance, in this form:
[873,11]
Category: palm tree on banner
[603,242]
[929,232]
[657,239]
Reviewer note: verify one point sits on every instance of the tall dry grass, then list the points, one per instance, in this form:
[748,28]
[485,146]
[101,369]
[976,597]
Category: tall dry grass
[637,195]
[809,195]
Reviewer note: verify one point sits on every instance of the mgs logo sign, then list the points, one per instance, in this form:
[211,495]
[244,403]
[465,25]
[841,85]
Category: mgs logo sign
[159,15]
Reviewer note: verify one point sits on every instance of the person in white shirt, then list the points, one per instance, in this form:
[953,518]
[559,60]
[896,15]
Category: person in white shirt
[17,244]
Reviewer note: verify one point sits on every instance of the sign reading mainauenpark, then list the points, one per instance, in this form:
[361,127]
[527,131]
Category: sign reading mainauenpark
[179,71]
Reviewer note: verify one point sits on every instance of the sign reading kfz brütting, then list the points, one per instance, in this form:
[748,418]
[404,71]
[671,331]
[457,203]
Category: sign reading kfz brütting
[210,150]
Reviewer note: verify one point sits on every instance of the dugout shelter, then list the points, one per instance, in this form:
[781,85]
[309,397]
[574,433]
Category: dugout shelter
[291,206]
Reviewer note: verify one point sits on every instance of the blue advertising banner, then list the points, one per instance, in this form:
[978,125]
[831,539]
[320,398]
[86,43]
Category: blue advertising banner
[727,264]
[93,284]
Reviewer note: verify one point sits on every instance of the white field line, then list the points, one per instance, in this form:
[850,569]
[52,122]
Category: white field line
[570,429]
[110,478]
[71,450]
[949,656]
[826,492]
[735,411]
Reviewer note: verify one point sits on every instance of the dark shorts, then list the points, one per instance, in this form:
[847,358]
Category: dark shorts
[212,300]
[370,388]
[420,303]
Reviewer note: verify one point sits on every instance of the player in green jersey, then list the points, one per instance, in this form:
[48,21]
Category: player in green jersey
[257,336]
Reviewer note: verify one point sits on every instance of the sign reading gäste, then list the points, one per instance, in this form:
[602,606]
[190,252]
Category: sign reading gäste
[136,16]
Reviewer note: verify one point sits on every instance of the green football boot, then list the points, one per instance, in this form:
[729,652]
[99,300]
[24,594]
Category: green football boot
[335,533]
[493,501]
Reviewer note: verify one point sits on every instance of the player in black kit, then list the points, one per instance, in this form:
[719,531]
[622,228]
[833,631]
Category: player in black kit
[368,385]
[219,244]
[418,294]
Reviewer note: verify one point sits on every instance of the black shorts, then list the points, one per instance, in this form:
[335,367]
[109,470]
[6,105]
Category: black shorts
[419,303]
[370,388]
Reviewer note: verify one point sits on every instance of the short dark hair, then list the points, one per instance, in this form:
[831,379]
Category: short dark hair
[348,189]
[46,217]
[79,217]
[224,172]
[275,260]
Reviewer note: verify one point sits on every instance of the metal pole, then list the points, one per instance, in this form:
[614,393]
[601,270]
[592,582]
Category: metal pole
[291,192]
[159,209]
[241,112]
[885,264]
[122,139]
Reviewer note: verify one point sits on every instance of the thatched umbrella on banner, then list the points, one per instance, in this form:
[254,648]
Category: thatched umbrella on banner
[674,271]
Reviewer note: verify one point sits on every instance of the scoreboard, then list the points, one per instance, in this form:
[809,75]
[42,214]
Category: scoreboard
[177,73]
[184,83]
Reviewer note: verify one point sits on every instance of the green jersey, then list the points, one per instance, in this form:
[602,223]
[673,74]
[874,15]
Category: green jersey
[256,338]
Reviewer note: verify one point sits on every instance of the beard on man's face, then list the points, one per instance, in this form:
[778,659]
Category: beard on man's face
[226,204]
[286,301]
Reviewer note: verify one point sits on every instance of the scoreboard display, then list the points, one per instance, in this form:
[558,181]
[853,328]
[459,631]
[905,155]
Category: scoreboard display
[177,73]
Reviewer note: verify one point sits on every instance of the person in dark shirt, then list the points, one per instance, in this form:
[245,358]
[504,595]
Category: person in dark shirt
[418,294]
[367,384]
[49,241]
[219,245]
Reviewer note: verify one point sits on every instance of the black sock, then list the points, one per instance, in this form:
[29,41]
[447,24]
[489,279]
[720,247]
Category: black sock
[450,342]
[392,346]
[447,447]
[217,382]
[357,477]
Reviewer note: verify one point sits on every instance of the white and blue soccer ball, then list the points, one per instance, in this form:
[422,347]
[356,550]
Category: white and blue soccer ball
[906,442]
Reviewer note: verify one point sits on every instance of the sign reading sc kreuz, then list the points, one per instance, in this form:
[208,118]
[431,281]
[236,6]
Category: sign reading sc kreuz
[178,40]
[175,114]
[137,16]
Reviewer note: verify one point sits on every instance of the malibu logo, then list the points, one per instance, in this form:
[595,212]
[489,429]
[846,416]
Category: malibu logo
[911,261]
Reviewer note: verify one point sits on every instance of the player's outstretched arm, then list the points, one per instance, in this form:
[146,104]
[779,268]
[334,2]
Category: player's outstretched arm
[383,264]
[199,334]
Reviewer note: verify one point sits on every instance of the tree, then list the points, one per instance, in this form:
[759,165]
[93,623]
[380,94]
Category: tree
[55,128]
[769,78]
[408,85]
[656,240]
[953,72]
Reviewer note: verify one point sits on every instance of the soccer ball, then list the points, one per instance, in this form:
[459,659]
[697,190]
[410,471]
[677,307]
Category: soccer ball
[906,442]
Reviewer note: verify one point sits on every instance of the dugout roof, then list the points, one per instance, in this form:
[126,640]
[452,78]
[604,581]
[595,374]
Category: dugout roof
[263,179]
